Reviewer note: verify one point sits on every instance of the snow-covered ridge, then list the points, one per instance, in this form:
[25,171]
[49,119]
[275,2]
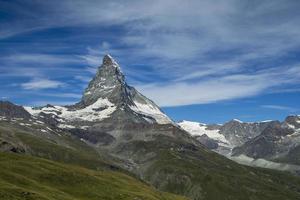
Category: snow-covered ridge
[198,129]
[98,111]
[152,111]
[109,59]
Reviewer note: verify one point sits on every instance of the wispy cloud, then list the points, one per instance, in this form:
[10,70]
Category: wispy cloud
[178,52]
[279,107]
[218,89]
[49,59]
[37,84]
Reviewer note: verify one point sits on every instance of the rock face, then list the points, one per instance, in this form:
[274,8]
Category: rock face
[109,83]
[238,132]
[208,135]
[276,142]
[246,142]
[9,110]
[223,138]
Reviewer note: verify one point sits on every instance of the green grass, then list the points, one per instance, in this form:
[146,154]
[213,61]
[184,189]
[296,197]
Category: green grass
[174,166]
[26,177]
[202,174]
[61,148]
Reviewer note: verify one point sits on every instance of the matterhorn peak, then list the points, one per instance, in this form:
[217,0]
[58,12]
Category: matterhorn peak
[109,60]
[109,86]
[108,82]
[110,67]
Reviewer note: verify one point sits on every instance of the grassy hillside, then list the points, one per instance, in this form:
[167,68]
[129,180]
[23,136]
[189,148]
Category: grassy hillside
[169,164]
[201,174]
[25,177]
[62,148]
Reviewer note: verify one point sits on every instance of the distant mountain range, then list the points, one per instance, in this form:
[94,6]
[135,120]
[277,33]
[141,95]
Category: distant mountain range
[116,128]
[270,144]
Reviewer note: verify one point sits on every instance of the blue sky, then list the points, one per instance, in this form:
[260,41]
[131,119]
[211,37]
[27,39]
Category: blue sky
[208,61]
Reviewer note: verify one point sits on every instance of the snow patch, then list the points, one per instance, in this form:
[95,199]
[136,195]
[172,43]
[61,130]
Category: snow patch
[66,126]
[152,111]
[237,120]
[268,120]
[100,110]
[198,129]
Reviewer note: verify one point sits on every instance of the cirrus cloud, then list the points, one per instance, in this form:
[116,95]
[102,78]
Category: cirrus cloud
[38,84]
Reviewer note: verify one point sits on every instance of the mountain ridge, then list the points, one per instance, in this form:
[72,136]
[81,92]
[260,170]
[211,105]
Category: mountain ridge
[250,141]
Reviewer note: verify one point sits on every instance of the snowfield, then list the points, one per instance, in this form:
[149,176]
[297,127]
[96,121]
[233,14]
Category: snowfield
[98,111]
[198,129]
[151,111]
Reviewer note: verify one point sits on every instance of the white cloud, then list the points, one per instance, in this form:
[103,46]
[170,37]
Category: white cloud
[62,95]
[278,107]
[45,59]
[202,50]
[202,92]
[37,84]
[218,89]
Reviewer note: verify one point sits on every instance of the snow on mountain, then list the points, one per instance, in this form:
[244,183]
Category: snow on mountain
[152,111]
[101,109]
[106,95]
[224,138]
[257,144]
[278,141]
[198,129]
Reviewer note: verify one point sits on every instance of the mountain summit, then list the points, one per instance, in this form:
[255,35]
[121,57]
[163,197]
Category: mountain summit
[107,96]
[109,82]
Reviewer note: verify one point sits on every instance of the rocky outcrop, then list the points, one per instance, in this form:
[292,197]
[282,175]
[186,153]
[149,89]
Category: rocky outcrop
[10,110]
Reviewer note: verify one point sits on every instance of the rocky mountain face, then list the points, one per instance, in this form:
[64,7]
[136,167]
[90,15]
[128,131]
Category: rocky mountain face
[267,140]
[227,136]
[116,127]
[208,135]
[275,142]
[107,96]
[9,110]
[238,132]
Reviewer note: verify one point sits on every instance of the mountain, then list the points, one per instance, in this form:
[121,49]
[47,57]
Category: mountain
[227,136]
[114,127]
[107,96]
[208,135]
[10,110]
[278,142]
[270,144]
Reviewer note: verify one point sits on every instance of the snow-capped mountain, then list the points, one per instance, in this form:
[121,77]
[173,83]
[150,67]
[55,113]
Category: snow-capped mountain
[268,143]
[107,96]
[208,135]
[278,142]
[227,136]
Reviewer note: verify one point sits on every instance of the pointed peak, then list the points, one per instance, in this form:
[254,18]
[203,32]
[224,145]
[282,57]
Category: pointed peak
[108,82]
[109,61]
